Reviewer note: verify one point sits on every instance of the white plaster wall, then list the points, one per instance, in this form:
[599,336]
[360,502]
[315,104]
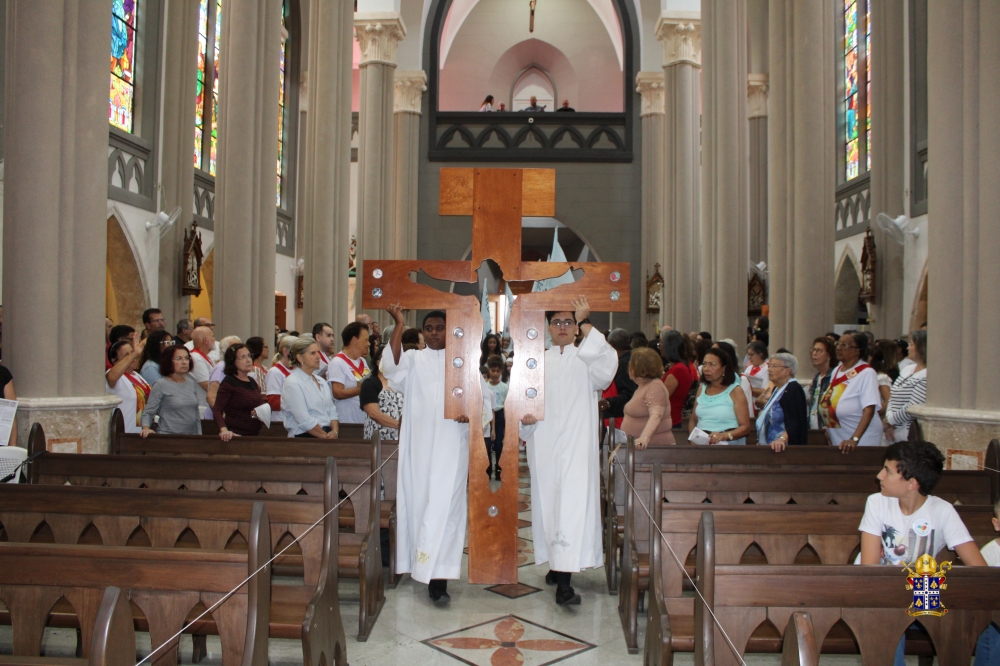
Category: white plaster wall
[145,244]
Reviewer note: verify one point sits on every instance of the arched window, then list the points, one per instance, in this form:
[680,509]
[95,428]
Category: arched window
[288,112]
[855,127]
[206,130]
[121,101]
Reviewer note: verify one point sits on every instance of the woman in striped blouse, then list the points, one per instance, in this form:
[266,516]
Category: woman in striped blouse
[908,390]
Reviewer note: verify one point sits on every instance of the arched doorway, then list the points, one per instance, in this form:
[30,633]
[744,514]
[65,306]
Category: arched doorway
[847,308]
[125,293]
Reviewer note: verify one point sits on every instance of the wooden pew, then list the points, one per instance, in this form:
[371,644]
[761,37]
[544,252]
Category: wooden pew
[112,639]
[195,519]
[346,451]
[359,553]
[689,456]
[870,600]
[846,487]
[164,583]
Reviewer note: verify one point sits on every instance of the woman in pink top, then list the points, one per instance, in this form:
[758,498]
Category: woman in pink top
[647,414]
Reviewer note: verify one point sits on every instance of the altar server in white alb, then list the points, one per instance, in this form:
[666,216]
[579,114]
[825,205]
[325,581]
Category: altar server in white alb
[433,467]
[563,450]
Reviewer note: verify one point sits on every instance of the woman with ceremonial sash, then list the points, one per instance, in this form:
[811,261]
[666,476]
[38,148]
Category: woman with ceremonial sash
[347,370]
[123,381]
[850,402]
[281,367]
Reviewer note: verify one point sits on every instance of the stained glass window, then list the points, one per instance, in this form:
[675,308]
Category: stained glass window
[206,137]
[121,100]
[282,59]
[856,130]
[851,87]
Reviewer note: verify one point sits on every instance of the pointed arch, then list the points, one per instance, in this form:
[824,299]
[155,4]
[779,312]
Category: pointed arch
[125,282]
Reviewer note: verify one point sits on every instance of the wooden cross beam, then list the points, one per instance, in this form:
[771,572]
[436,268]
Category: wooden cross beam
[496,199]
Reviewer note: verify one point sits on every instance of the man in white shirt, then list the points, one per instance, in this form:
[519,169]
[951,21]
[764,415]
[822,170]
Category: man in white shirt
[202,343]
[346,372]
[213,355]
[324,337]
[904,522]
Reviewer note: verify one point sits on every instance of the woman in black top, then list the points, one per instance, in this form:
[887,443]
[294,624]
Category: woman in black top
[7,382]
[238,396]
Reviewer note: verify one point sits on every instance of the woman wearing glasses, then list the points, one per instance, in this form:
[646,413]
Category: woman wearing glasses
[783,421]
[850,402]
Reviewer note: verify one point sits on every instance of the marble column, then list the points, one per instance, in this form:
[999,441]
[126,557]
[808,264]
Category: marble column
[963,395]
[725,164]
[378,34]
[245,212]
[888,175]
[325,178]
[757,115]
[649,85]
[410,87]
[680,33]
[801,174]
[55,214]
[177,172]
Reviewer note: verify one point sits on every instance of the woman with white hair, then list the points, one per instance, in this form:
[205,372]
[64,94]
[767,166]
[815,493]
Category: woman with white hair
[784,420]
[280,368]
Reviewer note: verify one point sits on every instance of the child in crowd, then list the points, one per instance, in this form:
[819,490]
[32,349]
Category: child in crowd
[904,521]
[495,364]
[988,647]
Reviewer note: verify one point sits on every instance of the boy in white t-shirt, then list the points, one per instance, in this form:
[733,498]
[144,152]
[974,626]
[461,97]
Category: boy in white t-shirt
[904,522]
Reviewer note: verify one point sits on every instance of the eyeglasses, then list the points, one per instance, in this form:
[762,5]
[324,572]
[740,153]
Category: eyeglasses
[778,367]
[844,345]
[563,323]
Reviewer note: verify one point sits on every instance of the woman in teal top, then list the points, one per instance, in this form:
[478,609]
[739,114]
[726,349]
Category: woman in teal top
[720,410]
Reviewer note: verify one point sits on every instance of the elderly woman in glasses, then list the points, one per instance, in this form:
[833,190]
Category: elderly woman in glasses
[852,399]
[784,419]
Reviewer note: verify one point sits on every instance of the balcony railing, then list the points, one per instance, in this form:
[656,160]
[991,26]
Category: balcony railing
[530,137]
[854,202]
[130,170]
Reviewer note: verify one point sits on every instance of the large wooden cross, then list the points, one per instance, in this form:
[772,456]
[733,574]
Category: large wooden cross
[496,199]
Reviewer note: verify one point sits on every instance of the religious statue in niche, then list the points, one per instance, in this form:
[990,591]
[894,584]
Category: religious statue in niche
[352,258]
[191,279]
[868,264]
[755,296]
[300,291]
[654,290]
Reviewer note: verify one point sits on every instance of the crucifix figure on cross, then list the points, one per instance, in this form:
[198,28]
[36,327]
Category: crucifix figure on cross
[496,199]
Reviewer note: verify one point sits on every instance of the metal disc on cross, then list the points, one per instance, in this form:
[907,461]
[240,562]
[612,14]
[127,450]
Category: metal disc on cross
[496,199]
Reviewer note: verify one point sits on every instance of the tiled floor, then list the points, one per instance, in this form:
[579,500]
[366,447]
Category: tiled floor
[513,626]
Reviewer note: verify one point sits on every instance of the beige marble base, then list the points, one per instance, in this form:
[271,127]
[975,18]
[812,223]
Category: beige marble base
[961,434]
[71,425]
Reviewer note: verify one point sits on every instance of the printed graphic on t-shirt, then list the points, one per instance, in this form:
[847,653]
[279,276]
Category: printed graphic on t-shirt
[898,549]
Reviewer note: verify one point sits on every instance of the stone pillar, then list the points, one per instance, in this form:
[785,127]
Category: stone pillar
[649,85]
[888,175]
[410,87]
[680,33]
[725,195]
[326,175]
[802,174]
[177,174]
[757,114]
[245,212]
[963,395]
[378,34]
[55,213]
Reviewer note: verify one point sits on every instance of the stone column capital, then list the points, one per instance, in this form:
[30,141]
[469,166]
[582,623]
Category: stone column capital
[410,87]
[650,86]
[680,33]
[757,96]
[378,34]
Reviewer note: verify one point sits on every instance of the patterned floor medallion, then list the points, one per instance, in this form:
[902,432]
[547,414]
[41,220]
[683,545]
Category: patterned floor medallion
[508,641]
[515,591]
